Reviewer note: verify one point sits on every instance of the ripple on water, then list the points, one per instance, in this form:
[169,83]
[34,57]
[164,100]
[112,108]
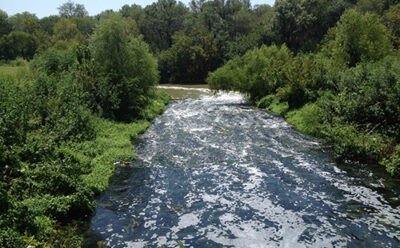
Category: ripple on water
[214,172]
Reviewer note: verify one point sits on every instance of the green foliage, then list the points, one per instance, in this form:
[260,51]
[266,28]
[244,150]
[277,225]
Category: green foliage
[55,155]
[306,119]
[125,66]
[259,72]
[66,34]
[17,44]
[54,61]
[358,37]
[391,19]
[352,143]
[5,26]
[392,164]
[304,77]
[189,59]
[24,22]
[163,18]
[70,9]
[302,24]
[368,96]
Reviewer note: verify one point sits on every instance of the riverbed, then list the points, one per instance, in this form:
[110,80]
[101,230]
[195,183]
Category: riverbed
[213,171]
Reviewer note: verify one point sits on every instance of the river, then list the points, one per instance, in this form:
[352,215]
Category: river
[217,172]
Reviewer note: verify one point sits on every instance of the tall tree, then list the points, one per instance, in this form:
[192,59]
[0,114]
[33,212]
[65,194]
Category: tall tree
[5,26]
[24,22]
[66,34]
[163,19]
[391,19]
[126,69]
[70,9]
[301,24]
[358,37]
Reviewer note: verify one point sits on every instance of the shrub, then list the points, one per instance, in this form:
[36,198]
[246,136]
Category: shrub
[259,72]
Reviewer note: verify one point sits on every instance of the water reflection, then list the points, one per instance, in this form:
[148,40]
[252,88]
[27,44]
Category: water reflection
[214,172]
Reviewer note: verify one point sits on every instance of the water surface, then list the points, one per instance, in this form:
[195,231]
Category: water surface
[216,172]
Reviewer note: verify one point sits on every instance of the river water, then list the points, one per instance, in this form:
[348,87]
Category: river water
[216,172]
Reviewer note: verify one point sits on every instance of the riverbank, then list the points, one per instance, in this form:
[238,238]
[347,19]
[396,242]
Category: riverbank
[56,156]
[113,145]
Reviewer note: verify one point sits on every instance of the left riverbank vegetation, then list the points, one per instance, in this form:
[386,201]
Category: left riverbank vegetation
[70,108]
[77,89]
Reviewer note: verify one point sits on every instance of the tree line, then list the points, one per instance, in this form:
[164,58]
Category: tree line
[190,41]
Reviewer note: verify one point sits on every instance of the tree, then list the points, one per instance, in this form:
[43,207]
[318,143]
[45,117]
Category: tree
[358,37]
[374,6]
[70,9]
[66,34]
[190,58]
[163,19]
[5,27]
[17,44]
[85,24]
[391,19]
[24,22]
[126,69]
[46,24]
[134,11]
[301,24]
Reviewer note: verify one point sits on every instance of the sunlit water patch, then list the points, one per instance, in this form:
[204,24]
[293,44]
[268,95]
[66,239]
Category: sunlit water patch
[216,172]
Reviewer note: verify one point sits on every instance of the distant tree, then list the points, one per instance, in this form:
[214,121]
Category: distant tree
[17,44]
[70,9]
[301,24]
[46,24]
[163,19]
[24,22]
[66,34]
[391,19]
[190,58]
[85,24]
[375,6]
[134,11]
[132,28]
[5,26]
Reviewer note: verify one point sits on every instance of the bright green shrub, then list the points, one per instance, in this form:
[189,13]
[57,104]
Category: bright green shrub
[306,119]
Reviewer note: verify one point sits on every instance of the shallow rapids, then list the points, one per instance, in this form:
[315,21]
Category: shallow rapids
[216,172]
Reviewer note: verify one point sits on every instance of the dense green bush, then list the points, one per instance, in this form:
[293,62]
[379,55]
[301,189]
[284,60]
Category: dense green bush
[258,73]
[125,68]
[368,96]
[54,61]
[17,44]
